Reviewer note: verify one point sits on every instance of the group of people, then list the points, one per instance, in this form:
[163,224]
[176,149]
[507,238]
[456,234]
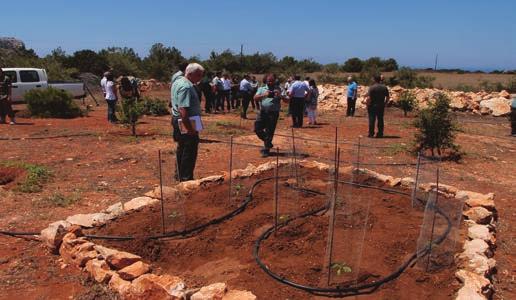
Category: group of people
[127,90]
[190,83]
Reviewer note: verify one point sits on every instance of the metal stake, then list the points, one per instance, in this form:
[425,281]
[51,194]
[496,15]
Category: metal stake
[230,167]
[276,192]
[161,193]
[358,156]
[332,216]
[433,221]
[294,157]
[417,179]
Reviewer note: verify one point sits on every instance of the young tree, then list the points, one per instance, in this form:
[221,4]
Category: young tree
[437,128]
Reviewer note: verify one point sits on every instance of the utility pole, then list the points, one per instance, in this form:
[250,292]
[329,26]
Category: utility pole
[436,57]
[241,55]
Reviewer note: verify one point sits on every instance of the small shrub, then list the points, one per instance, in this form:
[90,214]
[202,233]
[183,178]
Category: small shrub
[51,103]
[407,102]
[155,107]
[35,178]
[60,200]
[130,110]
[437,128]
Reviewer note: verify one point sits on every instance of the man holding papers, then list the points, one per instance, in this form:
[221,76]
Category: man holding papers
[186,120]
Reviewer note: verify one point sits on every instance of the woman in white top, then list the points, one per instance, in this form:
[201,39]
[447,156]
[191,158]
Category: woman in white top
[111,98]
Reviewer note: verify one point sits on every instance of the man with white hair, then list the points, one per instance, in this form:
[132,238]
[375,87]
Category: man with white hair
[186,112]
[352,97]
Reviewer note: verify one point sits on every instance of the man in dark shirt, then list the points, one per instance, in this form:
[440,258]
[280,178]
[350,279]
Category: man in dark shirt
[5,99]
[378,96]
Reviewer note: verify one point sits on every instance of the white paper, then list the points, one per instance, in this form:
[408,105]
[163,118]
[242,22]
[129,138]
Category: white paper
[196,124]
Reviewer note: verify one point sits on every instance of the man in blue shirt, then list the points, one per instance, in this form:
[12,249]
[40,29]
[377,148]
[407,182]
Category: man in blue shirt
[265,124]
[298,92]
[246,90]
[352,97]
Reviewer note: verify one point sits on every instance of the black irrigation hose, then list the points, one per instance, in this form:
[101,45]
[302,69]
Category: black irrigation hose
[190,231]
[328,292]
[349,290]
[45,137]
[15,234]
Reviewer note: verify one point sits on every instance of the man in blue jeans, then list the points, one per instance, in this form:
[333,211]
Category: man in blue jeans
[186,104]
[378,96]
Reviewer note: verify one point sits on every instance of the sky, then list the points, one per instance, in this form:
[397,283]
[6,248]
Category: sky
[465,34]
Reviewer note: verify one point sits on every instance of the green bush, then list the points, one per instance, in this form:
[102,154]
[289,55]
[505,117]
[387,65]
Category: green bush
[155,107]
[407,102]
[129,111]
[437,128]
[409,79]
[51,103]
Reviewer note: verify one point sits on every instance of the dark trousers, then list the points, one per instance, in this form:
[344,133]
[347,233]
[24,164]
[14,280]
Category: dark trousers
[226,98]
[375,112]
[264,127]
[297,109]
[350,111]
[246,99]
[210,102]
[6,110]
[111,110]
[186,152]
[219,104]
[513,120]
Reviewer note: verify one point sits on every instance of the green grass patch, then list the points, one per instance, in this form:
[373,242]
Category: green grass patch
[395,148]
[36,176]
[224,128]
[59,200]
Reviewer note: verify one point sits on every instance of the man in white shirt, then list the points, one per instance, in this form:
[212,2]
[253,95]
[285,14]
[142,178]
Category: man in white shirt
[103,82]
[247,95]
[226,92]
[298,92]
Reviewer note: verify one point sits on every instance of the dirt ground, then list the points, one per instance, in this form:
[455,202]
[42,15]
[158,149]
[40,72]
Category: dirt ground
[297,251]
[95,164]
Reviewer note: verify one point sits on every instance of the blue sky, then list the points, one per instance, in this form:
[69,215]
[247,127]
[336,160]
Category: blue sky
[466,34]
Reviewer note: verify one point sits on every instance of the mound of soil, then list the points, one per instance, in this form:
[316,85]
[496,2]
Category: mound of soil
[10,175]
[375,232]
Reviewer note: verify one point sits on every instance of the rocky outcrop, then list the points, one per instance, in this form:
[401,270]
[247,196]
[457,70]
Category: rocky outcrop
[333,97]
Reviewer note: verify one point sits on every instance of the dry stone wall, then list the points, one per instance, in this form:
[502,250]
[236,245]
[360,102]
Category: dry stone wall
[333,97]
[132,278]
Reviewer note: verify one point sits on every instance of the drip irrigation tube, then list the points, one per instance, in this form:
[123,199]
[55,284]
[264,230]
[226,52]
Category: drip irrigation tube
[350,290]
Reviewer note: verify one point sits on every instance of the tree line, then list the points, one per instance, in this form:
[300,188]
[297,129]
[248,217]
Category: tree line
[162,60]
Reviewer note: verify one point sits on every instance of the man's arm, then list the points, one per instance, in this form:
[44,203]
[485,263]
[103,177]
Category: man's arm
[185,118]
[355,91]
[387,97]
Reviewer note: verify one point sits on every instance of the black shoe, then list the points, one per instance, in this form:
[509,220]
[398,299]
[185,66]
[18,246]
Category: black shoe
[264,153]
[379,136]
[370,135]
